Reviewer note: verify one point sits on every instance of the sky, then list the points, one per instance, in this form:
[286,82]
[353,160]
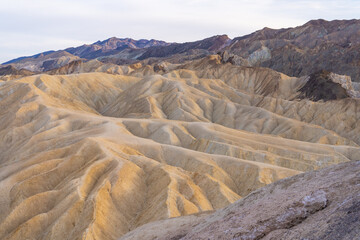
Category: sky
[28,27]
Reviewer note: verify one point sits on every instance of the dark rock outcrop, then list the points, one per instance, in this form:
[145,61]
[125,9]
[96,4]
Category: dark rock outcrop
[10,70]
[318,44]
[321,87]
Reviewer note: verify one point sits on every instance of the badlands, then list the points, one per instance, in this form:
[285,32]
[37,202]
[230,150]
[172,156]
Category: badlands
[98,154]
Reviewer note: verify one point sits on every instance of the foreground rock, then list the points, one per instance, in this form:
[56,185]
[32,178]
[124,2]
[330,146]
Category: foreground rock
[323,204]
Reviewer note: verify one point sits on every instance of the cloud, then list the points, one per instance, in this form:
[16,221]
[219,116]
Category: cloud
[40,25]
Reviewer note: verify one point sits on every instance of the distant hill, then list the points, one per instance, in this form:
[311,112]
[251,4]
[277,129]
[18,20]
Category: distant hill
[318,45]
[55,59]
[10,70]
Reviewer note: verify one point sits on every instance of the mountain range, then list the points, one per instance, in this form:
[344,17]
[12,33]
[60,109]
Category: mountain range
[314,46]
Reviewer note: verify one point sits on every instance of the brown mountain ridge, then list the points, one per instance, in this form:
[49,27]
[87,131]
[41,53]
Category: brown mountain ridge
[317,45]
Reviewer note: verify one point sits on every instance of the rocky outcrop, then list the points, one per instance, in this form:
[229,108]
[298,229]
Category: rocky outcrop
[318,205]
[346,83]
[327,86]
[316,45]
[227,57]
[321,86]
[10,70]
[44,61]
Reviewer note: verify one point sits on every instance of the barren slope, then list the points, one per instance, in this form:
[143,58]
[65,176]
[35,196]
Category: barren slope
[316,45]
[323,205]
[95,155]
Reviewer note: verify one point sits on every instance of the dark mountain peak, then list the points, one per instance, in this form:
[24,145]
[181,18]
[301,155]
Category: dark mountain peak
[266,29]
[112,46]
[323,22]
[331,26]
[114,38]
[222,37]
[313,29]
[115,42]
[321,86]
[263,34]
[219,42]
[199,48]
[316,22]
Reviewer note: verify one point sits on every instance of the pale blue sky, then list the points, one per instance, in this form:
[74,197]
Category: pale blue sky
[28,27]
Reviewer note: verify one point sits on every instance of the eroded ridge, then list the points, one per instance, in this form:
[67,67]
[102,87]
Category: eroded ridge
[96,155]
